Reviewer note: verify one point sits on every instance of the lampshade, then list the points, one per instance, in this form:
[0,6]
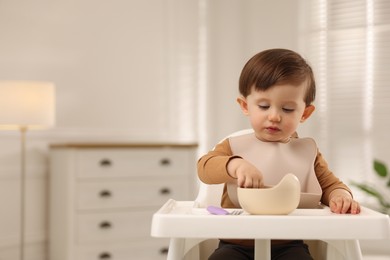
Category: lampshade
[27,104]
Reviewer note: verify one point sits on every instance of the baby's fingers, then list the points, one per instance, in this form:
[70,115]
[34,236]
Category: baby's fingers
[257,183]
[240,181]
[248,183]
[342,205]
[355,207]
[244,182]
[334,206]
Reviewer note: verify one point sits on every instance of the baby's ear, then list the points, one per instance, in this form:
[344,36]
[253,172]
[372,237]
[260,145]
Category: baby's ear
[243,104]
[307,112]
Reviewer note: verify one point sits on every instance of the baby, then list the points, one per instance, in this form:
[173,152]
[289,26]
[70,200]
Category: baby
[277,91]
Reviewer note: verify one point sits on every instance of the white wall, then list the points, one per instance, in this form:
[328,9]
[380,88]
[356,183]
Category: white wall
[237,30]
[111,62]
[126,71]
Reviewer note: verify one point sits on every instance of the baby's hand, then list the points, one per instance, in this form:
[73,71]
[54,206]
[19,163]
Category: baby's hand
[341,202]
[247,175]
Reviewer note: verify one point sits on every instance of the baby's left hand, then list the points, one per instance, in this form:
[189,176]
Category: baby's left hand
[341,202]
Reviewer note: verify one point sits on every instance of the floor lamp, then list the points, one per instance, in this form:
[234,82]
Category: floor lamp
[26,105]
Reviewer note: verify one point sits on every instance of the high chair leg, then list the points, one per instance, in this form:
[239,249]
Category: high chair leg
[343,250]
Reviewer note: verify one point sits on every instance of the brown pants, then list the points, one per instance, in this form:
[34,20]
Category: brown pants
[295,250]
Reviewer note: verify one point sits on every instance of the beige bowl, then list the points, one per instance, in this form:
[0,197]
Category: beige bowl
[280,199]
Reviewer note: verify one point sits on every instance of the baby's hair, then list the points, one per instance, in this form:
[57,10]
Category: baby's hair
[275,67]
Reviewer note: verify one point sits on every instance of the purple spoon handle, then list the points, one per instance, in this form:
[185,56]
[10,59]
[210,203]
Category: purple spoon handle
[217,210]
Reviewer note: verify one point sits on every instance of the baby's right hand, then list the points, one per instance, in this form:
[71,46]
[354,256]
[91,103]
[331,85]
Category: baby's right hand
[247,175]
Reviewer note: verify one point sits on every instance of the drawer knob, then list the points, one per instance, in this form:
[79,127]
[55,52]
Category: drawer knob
[105,194]
[165,161]
[105,255]
[164,251]
[105,162]
[165,191]
[105,225]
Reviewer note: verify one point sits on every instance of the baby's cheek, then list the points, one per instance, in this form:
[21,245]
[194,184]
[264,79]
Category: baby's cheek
[290,127]
[257,124]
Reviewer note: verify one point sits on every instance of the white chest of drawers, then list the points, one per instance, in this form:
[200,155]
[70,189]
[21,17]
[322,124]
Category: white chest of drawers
[102,198]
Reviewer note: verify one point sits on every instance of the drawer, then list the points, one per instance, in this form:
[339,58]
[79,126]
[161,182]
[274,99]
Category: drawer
[130,193]
[145,249]
[137,162]
[111,226]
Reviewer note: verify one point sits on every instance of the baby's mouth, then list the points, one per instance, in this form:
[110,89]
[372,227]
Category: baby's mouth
[273,129]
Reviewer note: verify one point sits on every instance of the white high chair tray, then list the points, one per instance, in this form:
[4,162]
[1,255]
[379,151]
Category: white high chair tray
[179,219]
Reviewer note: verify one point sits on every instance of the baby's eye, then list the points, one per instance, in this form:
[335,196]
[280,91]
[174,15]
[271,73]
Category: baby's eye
[263,107]
[288,110]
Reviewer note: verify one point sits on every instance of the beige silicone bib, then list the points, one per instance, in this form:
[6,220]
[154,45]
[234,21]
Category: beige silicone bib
[275,160]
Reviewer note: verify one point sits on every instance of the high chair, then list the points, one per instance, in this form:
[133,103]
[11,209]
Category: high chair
[190,233]
[211,195]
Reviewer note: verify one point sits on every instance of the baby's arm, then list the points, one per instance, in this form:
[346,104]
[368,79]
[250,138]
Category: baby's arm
[335,193]
[341,202]
[220,166]
[247,175]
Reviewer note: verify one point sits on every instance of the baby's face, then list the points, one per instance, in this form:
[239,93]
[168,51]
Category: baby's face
[275,113]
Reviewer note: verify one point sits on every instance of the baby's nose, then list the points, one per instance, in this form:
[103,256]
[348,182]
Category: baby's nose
[274,117]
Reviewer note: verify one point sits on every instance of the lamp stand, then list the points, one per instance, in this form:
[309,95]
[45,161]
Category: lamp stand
[23,130]
[25,105]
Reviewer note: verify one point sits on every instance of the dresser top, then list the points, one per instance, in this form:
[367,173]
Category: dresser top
[95,145]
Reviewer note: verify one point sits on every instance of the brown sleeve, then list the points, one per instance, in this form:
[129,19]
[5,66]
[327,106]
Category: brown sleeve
[212,167]
[328,181]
